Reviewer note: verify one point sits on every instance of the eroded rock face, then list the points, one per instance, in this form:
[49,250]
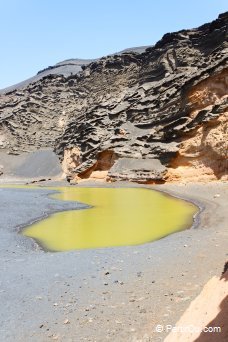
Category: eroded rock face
[203,155]
[137,170]
[71,160]
[203,152]
[150,116]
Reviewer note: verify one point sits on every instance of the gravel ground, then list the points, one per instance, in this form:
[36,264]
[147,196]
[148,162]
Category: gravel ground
[110,294]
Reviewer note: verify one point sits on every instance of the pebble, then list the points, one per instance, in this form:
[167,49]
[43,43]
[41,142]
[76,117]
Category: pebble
[142,311]
[118,282]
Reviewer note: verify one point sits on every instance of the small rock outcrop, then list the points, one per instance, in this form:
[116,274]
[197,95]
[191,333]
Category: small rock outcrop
[155,116]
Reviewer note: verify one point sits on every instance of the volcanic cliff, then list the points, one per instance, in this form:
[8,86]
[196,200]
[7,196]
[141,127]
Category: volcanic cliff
[152,116]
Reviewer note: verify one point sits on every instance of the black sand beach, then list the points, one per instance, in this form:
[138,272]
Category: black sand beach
[116,294]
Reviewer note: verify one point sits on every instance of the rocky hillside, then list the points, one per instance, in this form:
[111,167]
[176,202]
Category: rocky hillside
[156,116]
[65,68]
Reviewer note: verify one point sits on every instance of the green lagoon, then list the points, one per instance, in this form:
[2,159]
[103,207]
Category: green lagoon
[117,217]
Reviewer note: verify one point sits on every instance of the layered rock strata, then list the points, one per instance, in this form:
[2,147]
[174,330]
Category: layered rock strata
[155,116]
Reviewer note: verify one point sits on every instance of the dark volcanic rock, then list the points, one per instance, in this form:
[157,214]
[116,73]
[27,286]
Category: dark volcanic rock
[66,68]
[137,170]
[132,109]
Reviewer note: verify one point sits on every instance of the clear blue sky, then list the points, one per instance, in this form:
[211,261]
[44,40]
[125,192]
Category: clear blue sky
[39,33]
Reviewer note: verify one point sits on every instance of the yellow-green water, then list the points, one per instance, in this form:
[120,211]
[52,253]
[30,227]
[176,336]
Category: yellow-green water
[119,216]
